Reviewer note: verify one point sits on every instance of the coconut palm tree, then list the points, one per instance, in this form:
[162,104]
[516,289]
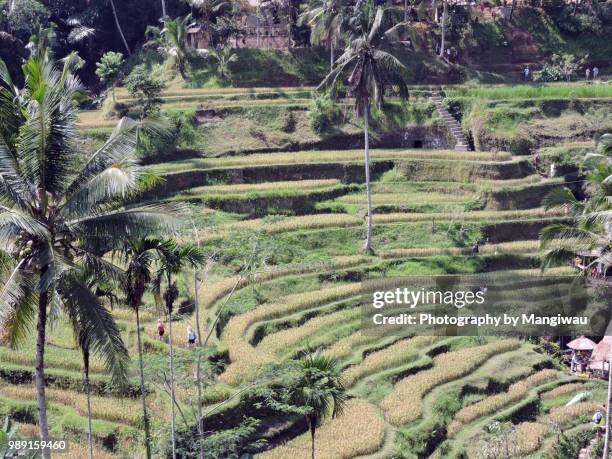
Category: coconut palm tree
[139,256]
[590,223]
[326,19]
[59,206]
[174,258]
[171,40]
[319,390]
[371,67]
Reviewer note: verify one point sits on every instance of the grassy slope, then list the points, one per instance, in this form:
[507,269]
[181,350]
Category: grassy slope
[325,254]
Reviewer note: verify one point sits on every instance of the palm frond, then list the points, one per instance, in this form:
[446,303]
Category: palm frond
[97,324]
[47,136]
[18,305]
[558,198]
[120,146]
[128,222]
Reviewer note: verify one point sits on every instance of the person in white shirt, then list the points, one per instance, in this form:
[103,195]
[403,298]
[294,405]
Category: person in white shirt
[191,336]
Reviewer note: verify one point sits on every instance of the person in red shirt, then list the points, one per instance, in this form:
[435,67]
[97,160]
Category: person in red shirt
[160,329]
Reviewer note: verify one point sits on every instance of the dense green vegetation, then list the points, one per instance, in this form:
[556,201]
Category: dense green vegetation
[236,216]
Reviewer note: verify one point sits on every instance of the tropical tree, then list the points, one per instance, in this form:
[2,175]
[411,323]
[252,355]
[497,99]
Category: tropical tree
[174,258]
[140,255]
[326,19]
[108,70]
[371,67]
[223,57]
[209,10]
[319,390]
[590,224]
[171,40]
[146,88]
[59,207]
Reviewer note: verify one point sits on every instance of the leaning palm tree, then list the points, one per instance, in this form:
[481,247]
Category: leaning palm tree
[59,206]
[371,68]
[171,40]
[327,20]
[590,220]
[320,390]
[174,258]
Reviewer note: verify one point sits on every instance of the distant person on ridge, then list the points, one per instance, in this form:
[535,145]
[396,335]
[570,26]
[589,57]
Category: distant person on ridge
[587,73]
[526,73]
[160,329]
[191,336]
[595,72]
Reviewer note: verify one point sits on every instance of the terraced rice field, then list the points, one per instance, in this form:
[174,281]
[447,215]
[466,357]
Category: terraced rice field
[424,396]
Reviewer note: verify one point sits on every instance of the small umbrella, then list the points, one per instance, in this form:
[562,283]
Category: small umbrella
[581,344]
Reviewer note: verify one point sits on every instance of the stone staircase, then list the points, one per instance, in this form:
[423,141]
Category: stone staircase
[461,143]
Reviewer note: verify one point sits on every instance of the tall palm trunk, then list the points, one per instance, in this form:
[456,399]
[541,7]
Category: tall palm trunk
[444,17]
[606,449]
[331,55]
[405,10]
[142,388]
[85,351]
[163,2]
[199,364]
[172,396]
[313,427]
[43,425]
[125,43]
[512,9]
[368,242]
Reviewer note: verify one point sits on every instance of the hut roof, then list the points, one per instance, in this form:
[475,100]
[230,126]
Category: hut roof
[602,350]
[581,344]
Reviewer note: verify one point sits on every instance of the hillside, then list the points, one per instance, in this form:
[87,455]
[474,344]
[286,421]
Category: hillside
[298,197]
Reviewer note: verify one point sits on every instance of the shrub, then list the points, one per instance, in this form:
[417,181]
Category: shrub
[323,114]
[288,122]
[146,88]
[180,133]
[549,73]
[569,445]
